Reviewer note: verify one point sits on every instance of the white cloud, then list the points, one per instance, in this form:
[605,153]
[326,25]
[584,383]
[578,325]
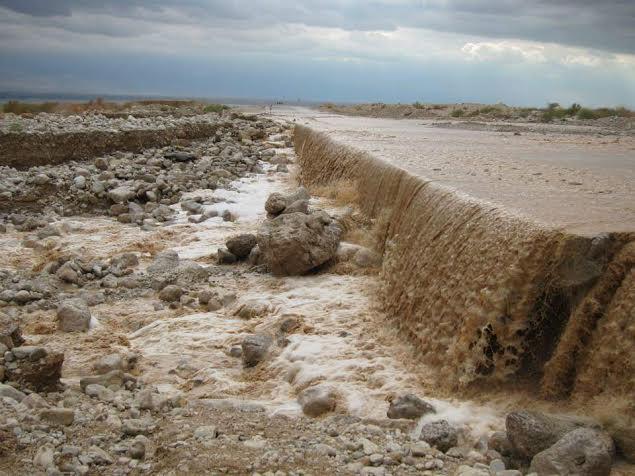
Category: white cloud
[504,51]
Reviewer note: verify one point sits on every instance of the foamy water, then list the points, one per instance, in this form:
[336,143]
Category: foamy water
[338,343]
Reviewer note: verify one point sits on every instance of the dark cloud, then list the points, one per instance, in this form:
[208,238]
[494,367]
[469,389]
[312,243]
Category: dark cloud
[607,25]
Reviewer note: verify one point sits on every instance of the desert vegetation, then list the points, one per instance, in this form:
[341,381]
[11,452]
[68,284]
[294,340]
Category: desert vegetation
[483,112]
[103,106]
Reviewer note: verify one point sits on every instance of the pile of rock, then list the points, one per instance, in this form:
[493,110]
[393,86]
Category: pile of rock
[292,241]
[140,187]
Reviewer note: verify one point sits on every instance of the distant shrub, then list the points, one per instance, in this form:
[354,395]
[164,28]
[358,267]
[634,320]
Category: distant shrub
[586,113]
[458,113]
[17,107]
[418,105]
[218,108]
[554,111]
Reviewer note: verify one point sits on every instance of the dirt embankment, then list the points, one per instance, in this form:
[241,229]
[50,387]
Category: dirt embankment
[491,298]
[24,150]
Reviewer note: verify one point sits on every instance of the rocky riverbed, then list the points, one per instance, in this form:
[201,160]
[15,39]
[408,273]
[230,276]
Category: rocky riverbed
[188,309]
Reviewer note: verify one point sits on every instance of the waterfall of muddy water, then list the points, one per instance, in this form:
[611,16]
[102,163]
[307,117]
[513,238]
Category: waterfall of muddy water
[496,296]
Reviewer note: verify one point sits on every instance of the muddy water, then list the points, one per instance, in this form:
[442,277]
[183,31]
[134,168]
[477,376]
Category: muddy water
[341,342]
[491,298]
[344,339]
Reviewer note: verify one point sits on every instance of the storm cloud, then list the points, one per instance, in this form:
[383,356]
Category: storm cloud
[563,44]
[607,25]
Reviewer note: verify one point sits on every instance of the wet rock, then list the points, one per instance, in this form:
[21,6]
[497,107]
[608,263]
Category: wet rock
[121,194]
[499,442]
[532,432]
[296,243]
[29,352]
[10,392]
[10,332]
[205,433]
[73,315]
[255,257]
[44,457]
[228,216]
[67,273]
[101,163]
[34,402]
[365,258]
[276,203]
[110,362]
[171,293]
[58,416]
[255,349]
[440,434]
[580,452]
[241,245]
[40,375]
[299,206]
[252,308]
[409,406]
[181,156]
[99,457]
[318,400]
[225,256]
[134,427]
[114,378]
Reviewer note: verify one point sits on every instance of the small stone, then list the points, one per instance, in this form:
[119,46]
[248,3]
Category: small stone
[419,449]
[409,406]
[241,245]
[440,435]
[376,459]
[318,400]
[73,316]
[225,256]
[99,456]
[29,352]
[205,433]
[496,466]
[44,457]
[255,348]
[34,402]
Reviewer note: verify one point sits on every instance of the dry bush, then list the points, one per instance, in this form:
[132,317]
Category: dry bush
[342,192]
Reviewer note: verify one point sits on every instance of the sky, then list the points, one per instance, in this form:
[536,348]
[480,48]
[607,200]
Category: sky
[520,52]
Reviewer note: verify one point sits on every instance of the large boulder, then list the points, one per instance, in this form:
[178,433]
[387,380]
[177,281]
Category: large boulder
[295,243]
[409,406]
[581,452]
[73,315]
[532,432]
